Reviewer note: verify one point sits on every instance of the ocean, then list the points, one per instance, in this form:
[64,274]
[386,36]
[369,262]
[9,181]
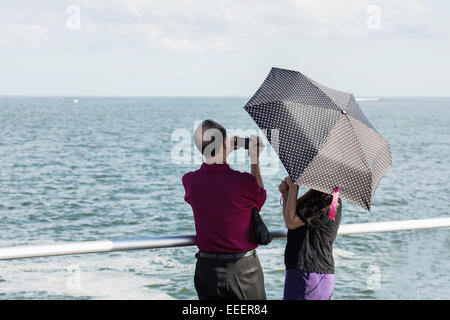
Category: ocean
[111,168]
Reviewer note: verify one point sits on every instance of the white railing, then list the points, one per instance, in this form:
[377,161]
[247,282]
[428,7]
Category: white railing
[34,251]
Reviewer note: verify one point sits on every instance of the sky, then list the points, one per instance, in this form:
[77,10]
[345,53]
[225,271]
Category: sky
[370,48]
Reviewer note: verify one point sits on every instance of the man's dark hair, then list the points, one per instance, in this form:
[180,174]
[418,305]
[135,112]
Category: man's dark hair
[202,143]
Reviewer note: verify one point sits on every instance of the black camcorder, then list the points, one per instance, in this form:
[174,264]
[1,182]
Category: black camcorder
[243,142]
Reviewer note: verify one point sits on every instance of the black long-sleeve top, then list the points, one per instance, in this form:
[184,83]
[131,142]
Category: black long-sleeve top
[310,247]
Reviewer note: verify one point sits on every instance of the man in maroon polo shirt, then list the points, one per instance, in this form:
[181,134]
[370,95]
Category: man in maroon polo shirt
[222,200]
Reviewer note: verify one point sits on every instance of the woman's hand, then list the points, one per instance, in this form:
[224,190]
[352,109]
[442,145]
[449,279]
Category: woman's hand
[283,187]
[291,219]
[289,182]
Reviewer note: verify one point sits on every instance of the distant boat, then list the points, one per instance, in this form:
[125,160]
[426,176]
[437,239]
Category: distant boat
[75,100]
[367,99]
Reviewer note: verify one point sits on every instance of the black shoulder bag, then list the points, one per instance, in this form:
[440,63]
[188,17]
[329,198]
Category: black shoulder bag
[262,234]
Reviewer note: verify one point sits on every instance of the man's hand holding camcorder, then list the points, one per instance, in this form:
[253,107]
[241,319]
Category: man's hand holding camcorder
[255,149]
[231,146]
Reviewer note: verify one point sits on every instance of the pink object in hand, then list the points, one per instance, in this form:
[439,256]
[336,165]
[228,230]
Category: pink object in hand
[334,202]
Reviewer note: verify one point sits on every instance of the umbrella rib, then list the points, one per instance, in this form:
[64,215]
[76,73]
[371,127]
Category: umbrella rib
[317,85]
[362,151]
[318,88]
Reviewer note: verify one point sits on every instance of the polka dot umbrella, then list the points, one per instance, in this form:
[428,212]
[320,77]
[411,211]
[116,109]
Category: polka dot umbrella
[321,136]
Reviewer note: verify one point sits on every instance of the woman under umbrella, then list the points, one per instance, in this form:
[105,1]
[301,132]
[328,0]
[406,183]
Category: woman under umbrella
[309,249]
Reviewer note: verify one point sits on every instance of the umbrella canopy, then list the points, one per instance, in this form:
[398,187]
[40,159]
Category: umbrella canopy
[321,136]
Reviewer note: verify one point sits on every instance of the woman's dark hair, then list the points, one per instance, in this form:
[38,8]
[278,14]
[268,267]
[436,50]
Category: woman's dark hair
[313,203]
[202,143]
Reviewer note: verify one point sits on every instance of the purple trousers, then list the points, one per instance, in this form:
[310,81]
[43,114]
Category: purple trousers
[302,285]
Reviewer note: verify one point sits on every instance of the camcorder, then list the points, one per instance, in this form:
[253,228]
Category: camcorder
[244,142]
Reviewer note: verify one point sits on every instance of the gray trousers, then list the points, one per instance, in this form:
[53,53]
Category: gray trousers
[228,279]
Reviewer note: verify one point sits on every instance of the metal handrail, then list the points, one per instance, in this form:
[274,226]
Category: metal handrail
[34,251]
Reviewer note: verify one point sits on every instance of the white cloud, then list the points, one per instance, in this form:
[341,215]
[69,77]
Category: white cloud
[153,36]
[182,45]
[22,35]
[190,25]
[224,25]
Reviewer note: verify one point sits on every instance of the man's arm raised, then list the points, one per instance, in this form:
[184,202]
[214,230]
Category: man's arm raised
[255,149]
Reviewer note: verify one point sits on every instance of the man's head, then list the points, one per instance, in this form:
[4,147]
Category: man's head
[210,139]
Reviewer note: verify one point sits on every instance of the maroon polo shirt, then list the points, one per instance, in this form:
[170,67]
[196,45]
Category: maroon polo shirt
[222,200]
